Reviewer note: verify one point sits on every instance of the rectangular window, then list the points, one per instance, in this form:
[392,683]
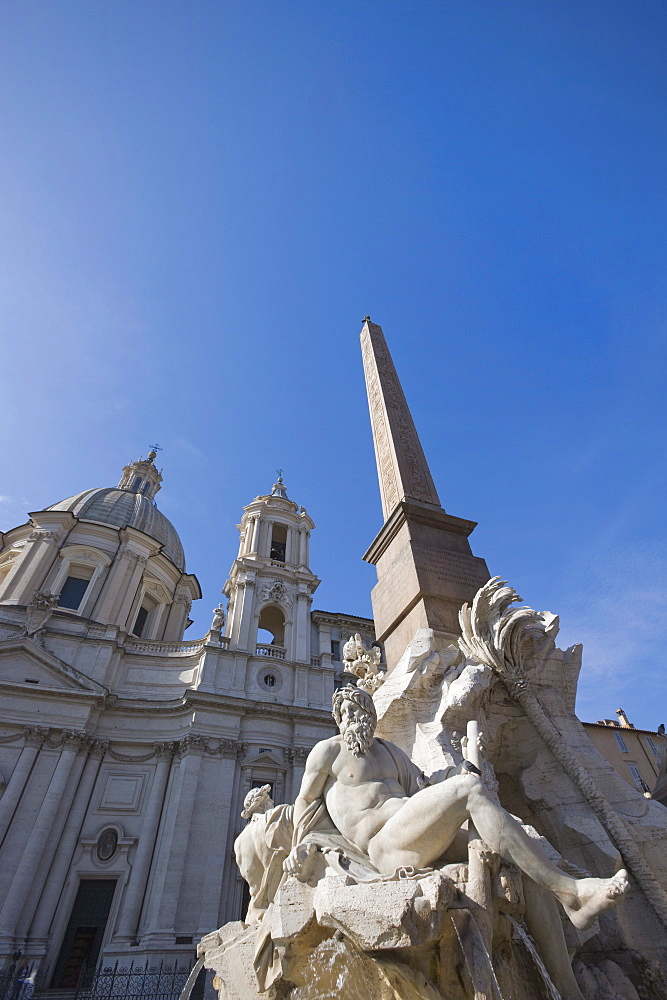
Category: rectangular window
[140,622]
[335,649]
[639,781]
[72,593]
[652,746]
[621,743]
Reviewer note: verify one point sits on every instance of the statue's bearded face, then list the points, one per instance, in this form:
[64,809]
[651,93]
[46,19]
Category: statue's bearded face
[357,727]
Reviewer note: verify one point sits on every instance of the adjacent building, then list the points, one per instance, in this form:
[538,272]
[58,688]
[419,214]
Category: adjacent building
[125,749]
[635,754]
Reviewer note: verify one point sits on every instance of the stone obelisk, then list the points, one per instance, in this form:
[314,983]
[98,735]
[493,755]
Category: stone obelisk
[425,567]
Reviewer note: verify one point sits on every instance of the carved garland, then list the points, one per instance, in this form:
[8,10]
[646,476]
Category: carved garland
[36,736]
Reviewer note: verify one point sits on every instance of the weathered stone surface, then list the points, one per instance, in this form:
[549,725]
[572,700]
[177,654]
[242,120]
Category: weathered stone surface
[229,952]
[407,913]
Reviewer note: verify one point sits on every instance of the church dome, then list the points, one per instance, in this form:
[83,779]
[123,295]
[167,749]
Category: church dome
[130,505]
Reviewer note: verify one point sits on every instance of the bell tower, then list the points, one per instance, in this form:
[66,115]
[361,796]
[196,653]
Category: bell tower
[270,586]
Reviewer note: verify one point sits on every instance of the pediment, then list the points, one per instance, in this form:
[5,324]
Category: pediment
[265,760]
[24,661]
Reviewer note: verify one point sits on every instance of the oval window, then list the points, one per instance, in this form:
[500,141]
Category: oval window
[107,844]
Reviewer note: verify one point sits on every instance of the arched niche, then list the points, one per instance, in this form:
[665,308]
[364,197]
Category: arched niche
[271,626]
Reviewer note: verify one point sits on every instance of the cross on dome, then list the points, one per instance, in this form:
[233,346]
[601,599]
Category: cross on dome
[278,487]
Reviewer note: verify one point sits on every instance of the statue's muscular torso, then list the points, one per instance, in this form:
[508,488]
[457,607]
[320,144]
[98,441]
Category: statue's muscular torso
[361,793]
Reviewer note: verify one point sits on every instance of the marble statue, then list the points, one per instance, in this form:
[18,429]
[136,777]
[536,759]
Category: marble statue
[363,663]
[261,848]
[409,872]
[218,622]
[378,801]
[368,815]
[382,804]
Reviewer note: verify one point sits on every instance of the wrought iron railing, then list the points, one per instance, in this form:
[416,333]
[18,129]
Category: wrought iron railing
[161,982]
[17,986]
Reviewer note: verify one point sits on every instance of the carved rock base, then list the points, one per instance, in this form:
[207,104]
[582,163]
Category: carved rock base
[413,939]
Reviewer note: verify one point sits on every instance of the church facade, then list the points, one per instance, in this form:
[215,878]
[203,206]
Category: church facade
[125,749]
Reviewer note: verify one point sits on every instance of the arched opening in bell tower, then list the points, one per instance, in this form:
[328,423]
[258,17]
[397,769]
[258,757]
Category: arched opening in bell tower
[278,542]
[271,627]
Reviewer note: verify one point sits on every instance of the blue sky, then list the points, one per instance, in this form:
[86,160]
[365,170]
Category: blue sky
[200,202]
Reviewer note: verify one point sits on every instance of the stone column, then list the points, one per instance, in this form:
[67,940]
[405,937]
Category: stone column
[297,757]
[288,642]
[132,902]
[113,585]
[34,737]
[264,547]
[227,910]
[324,632]
[303,546]
[138,564]
[302,624]
[178,614]
[245,640]
[39,835]
[249,530]
[32,566]
[230,750]
[170,862]
[301,685]
[289,545]
[39,931]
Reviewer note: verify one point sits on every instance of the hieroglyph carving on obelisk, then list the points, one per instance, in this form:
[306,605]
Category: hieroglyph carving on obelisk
[402,469]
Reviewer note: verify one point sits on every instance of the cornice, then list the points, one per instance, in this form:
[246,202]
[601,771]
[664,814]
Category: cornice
[336,617]
[416,512]
[48,659]
[37,692]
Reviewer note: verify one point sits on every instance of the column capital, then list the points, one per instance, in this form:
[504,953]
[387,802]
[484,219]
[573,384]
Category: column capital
[72,740]
[98,748]
[297,755]
[135,558]
[34,736]
[231,749]
[163,751]
[44,535]
[192,743]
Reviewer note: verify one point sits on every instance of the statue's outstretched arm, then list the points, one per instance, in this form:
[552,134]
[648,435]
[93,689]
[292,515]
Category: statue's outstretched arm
[313,783]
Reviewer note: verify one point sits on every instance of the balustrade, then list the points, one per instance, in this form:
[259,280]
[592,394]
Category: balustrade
[274,652]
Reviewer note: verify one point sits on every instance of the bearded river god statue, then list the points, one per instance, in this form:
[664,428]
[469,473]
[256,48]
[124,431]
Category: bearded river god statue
[383,883]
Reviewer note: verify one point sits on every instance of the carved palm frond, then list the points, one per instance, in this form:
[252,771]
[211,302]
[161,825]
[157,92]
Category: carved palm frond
[494,633]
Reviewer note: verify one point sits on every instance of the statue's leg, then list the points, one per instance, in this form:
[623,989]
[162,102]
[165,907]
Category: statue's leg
[543,923]
[582,899]
[426,824]
[423,828]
